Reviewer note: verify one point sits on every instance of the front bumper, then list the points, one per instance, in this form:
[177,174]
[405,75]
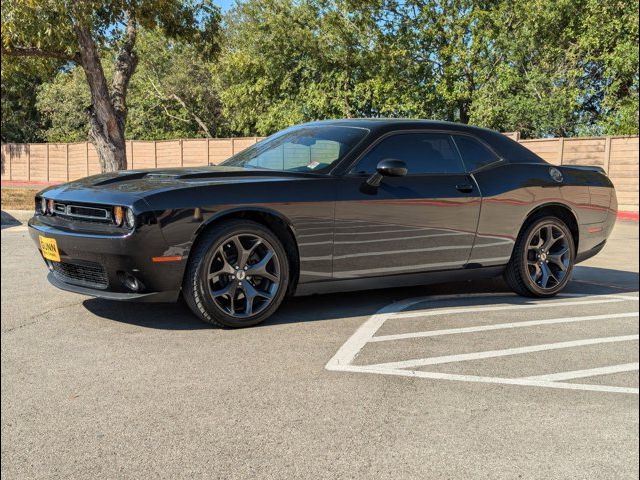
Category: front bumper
[151,297]
[115,256]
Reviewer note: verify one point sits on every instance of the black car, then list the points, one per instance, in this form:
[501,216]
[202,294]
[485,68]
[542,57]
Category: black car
[325,206]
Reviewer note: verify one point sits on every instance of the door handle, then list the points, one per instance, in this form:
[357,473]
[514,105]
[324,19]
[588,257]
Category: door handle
[465,188]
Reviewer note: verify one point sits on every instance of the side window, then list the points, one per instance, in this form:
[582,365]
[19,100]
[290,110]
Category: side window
[474,154]
[422,152]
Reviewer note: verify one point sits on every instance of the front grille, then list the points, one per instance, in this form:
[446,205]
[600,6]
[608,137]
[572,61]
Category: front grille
[83,212]
[86,274]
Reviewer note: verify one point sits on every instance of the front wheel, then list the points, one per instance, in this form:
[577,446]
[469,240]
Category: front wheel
[543,258]
[237,276]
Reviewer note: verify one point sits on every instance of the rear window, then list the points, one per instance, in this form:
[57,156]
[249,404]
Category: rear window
[474,154]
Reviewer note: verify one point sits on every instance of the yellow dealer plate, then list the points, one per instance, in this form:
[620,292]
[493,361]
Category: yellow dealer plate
[49,248]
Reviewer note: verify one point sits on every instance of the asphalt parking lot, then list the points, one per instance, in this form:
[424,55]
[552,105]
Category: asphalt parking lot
[452,381]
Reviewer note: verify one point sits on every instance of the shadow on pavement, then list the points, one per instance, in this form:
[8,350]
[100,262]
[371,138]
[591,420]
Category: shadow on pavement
[606,278]
[356,304]
[8,220]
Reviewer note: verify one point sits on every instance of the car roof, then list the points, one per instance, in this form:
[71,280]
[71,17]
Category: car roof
[396,123]
[505,147]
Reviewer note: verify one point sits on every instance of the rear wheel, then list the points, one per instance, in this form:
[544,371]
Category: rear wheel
[543,258]
[237,275]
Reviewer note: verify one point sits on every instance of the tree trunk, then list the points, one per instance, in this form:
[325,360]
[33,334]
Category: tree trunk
[106,132]
[108,112]
[464,112]
[110,149]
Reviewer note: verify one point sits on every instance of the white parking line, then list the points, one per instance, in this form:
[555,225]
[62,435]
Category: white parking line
[501,326]
[523,382]
[538,304]
[342,360]
[590,372]
[464,357]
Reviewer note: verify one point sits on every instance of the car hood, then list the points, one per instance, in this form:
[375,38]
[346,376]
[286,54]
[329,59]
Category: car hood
[127,185]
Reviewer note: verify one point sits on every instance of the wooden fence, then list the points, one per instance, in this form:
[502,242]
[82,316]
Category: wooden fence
[59,162]
[617,155]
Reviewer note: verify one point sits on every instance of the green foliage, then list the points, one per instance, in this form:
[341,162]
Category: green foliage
[21,120]
[62,102]
[541,67]
[172,94]
[172,86]
[49,27]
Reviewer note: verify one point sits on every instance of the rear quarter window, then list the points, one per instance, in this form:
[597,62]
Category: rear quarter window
[474,154]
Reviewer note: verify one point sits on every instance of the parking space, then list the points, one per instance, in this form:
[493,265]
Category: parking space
[461,380]
[502,339]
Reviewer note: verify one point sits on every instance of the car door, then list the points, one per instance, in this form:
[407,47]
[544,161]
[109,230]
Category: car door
[423,221]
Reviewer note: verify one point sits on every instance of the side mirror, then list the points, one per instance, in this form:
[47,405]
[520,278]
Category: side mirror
[388,167]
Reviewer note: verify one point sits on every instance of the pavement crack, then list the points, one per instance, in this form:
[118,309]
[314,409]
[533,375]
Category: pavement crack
[34,319]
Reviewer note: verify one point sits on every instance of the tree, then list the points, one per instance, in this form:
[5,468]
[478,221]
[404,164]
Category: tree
[172,95]
[542,67]
[76,32]
[22,121]
[288,61]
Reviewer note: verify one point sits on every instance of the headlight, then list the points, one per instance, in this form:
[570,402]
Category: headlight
[130,218]
[43,205]
[124,216]
[118,215]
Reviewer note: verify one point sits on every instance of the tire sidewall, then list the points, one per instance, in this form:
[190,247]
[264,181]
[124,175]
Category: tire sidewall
[201,280]
[528,234]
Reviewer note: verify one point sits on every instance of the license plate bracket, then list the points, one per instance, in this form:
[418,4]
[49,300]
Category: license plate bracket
[49,248]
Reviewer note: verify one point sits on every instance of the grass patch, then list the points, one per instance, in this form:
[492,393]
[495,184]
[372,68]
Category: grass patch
[18,198]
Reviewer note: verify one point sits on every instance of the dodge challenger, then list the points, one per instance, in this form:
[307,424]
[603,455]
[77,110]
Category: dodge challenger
[326,206]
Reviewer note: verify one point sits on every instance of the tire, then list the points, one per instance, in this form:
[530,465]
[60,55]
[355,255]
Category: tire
[533,258]
[217,286]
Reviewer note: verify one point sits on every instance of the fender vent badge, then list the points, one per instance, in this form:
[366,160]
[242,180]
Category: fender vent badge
[556,174]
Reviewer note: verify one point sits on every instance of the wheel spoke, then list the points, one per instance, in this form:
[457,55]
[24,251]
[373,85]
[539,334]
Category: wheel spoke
[249,297]
[538,244]
[544,279]
[547,275]
[260,269]
[253,248]
[537,271]
[229,289]
[250,294]
[242,253]
[226,266]
[556,258]
[550,240]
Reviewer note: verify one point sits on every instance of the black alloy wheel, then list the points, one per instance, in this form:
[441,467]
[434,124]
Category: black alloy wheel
[238,274]
[542,259]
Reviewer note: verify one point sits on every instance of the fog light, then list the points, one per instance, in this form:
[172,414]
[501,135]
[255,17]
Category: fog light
[130,282]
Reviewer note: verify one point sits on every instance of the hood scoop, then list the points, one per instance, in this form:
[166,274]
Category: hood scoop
[108,179]
[164,175]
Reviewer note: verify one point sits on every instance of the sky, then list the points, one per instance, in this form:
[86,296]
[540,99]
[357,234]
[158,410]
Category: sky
[224,4]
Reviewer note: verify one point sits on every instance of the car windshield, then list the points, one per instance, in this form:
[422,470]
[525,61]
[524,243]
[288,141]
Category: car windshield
[300,149]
